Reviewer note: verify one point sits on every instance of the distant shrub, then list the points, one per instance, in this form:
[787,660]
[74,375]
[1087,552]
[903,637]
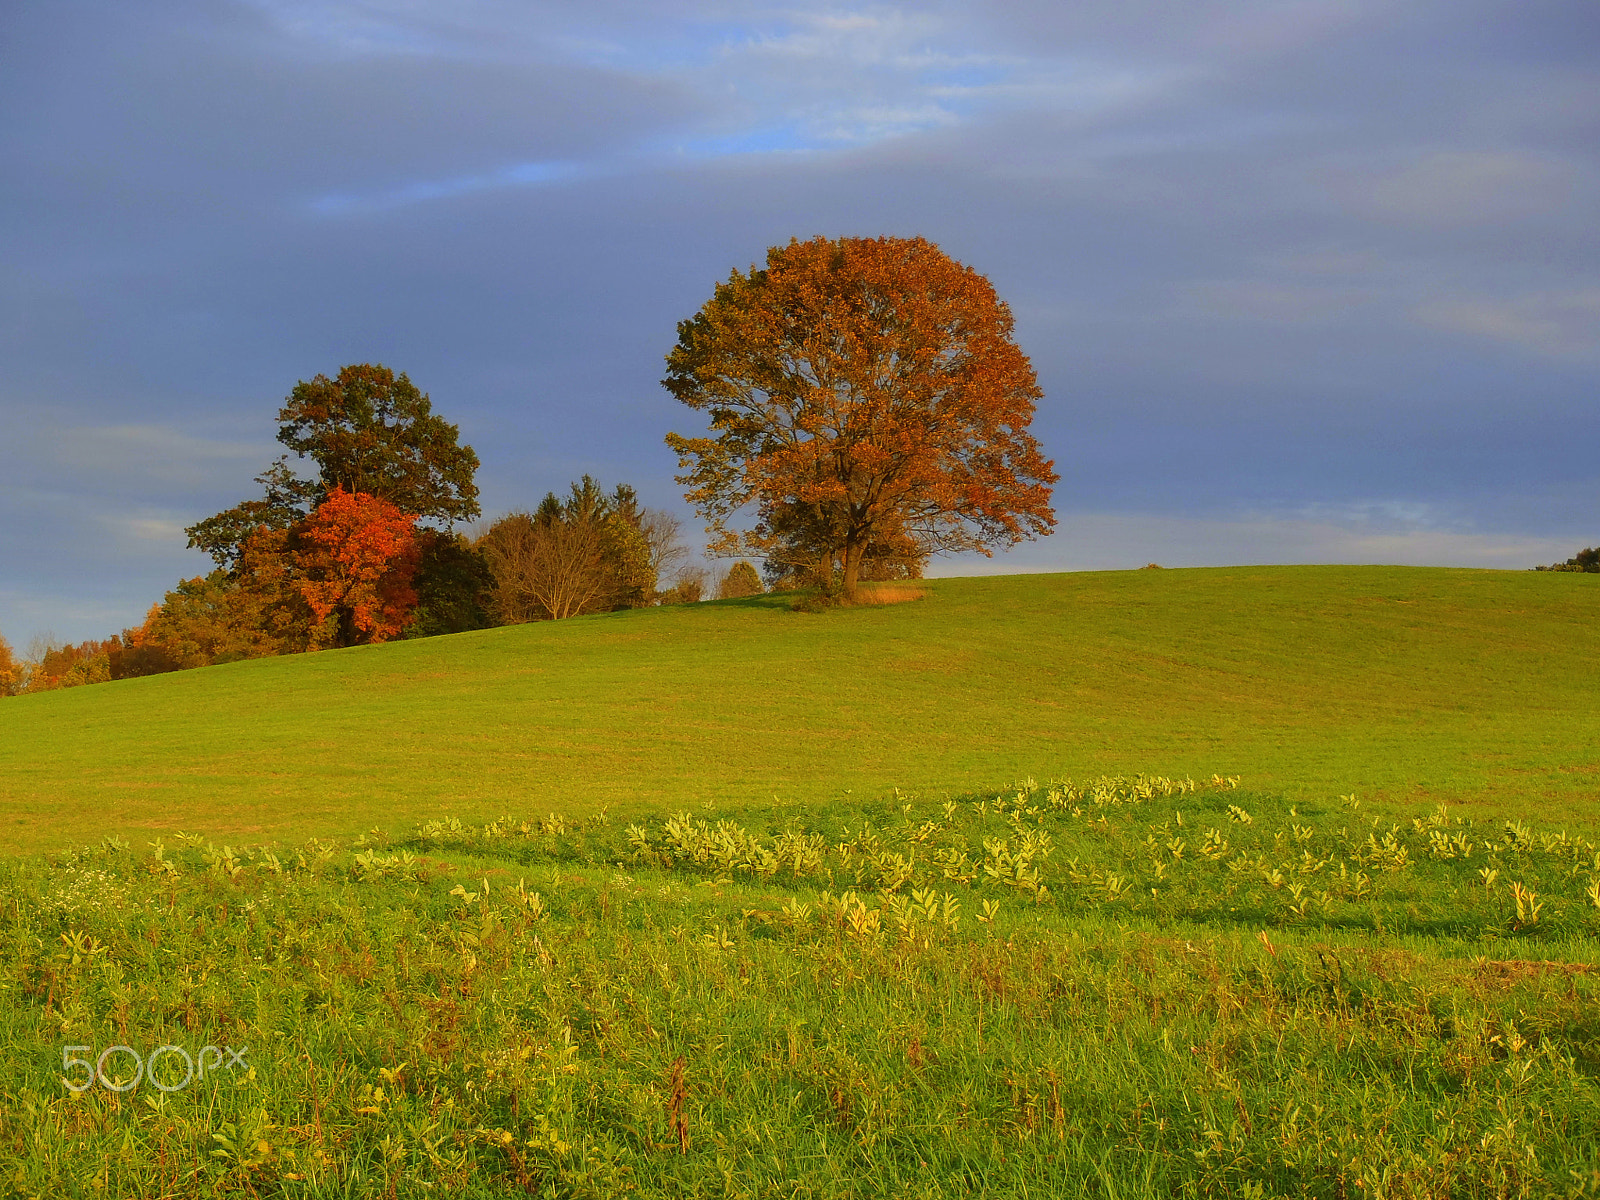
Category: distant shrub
[740,581]
[690,589]
[883,594]
[586,553]
[65,666]
[813,602]
[1587,561]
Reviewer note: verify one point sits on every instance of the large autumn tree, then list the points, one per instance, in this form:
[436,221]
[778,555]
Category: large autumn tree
[384,459]
[368,430]
[865,396]
[371,431]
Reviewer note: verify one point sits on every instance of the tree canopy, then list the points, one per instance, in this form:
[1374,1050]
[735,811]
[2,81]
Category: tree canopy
[356,559]
[369,432]
[373,432]
[740,581]
[863,393]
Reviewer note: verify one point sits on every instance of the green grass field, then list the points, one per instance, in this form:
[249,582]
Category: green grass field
[1119,989]
[1415,685]
[930,969]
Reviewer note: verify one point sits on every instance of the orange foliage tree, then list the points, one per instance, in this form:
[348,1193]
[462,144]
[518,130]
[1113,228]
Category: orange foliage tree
[341,576]
[864,394]
[11,672]
[69,666]
[252,612]
[354,561]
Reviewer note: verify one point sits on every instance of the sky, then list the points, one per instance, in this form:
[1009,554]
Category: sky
[1303,280]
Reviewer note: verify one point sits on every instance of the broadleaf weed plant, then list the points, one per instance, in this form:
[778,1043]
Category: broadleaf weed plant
[1153,995]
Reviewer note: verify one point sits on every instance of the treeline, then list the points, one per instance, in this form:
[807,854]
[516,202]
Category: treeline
[51,667]
[367,551]
[1585,560]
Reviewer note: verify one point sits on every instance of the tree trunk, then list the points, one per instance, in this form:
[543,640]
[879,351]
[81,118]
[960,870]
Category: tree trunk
[852,570]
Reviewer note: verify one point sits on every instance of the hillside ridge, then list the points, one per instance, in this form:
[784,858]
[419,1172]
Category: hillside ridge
[1470,686]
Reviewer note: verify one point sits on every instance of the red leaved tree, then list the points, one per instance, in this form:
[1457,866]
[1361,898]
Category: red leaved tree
[865,397]
[355,559]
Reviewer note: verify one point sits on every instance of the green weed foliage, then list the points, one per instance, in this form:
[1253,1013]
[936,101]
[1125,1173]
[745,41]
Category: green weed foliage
[1126,987]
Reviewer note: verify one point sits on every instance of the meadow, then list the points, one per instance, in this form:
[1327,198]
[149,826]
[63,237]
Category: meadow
[1127,987]
[736,901]
[1473,687]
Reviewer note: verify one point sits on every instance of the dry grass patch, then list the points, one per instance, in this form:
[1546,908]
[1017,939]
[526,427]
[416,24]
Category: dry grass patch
[888,593]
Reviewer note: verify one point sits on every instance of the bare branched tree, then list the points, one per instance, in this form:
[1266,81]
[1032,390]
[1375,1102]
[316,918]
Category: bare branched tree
[546,570]
[689,587]
[664,533]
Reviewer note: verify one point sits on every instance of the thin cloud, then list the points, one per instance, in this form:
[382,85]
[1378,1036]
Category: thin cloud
[134,454]
[1455,189]
[517,175]
[1559,325]
[1270,302]
[164,530]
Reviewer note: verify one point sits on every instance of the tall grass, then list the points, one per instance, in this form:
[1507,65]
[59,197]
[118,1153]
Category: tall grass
[1127,987]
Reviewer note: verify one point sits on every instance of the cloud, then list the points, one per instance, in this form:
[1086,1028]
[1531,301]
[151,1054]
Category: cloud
[1268,301]
[1559,325]
[211,113]
[832,78]
[1464,188]
[33,616]
[164,530]
[518,175]
[156,447]
[48,454]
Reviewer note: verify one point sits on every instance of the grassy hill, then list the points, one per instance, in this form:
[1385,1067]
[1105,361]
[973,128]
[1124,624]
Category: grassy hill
[1125,987]
[1476,687]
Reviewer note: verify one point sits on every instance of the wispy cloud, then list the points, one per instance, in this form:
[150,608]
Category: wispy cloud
[1467,188]
[849,77]
[515,175]
[791,81]
[35,616]
[1562,325]
[142,452]
[165,530]
[1270,301]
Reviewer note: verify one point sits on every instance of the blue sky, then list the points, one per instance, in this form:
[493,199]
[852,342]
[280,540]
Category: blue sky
[1304,281]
